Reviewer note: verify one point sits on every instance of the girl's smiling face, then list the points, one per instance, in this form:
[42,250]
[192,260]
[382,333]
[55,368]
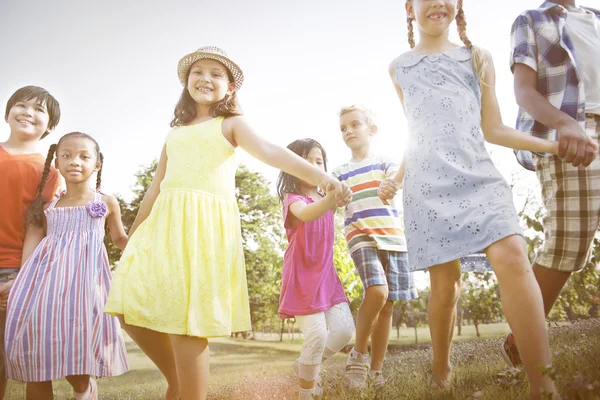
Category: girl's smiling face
[208,82]
[76,159]
[433,16]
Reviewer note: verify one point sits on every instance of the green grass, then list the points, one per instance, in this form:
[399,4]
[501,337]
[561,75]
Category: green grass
[261,369]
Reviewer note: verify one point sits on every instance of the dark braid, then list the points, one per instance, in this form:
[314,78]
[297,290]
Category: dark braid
[35,212]
[99,174]
[411,32]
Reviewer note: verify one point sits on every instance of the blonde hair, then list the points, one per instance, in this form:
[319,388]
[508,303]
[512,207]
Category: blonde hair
[368,114]
[478,58]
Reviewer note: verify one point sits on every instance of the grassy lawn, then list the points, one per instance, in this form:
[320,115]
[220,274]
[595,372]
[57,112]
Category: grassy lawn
[261,369]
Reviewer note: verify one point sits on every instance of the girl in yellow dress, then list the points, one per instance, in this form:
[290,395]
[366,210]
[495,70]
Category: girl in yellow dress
[182,279]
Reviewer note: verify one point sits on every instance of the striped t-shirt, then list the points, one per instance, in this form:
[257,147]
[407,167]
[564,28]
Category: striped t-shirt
[367,221]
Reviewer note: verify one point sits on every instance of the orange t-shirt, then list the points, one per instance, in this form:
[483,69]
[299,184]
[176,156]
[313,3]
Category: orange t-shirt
[20,176]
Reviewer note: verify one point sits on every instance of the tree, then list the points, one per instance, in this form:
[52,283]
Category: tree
[481,298]
[345,266]
[400,316]
[262,238]
[417,313]
[580,297]
[460,312]
[129,211]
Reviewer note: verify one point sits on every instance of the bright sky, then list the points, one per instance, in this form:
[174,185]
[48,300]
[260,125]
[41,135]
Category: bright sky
[112,66]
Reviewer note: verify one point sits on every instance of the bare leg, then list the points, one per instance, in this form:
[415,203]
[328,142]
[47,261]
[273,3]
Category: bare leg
[157,346]
[368,314]
[551,283]
[441,311]
[39,391]
[523,307]
[381,336]
[3,380]
[191,359]
[80,383]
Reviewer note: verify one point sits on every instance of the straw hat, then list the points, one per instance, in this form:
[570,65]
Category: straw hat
[214,53]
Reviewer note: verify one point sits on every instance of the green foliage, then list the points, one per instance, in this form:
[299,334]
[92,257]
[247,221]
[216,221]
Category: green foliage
[344,265]
[480,298]
[143,180]
[580,297]
[262,238]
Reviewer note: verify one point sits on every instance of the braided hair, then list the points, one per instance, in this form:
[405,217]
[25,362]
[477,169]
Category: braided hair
[477,54]
[411,32]
[35,212]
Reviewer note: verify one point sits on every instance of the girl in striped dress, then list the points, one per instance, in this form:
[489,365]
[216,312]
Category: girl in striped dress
[55,324]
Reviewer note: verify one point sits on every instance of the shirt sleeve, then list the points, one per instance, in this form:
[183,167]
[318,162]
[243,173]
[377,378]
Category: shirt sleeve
[52,185]
[289,199]
[391,168]
[523,43]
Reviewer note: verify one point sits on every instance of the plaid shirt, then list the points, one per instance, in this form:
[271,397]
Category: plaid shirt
[539,40]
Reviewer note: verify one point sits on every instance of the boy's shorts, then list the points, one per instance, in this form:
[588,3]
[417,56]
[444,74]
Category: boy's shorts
[382,267]
[571,197]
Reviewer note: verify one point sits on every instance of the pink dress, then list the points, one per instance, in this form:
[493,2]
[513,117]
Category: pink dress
[309,281]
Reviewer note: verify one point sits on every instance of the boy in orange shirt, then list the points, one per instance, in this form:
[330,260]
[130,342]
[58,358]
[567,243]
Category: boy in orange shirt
[32,113]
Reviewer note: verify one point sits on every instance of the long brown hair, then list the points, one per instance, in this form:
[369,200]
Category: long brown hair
[185,109]
[287,183]
[35,212]
[477,55]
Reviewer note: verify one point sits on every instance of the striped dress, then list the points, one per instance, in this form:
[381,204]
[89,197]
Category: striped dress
[55,324]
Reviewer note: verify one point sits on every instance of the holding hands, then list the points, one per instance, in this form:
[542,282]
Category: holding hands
[336,190]
[387,190]
[574,146]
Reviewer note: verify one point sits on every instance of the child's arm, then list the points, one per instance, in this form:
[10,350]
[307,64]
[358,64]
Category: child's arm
[390,186]
[33,237]
[573,143]
[280,157]
[152,193]
[310,212]
[114,223]
[494,129]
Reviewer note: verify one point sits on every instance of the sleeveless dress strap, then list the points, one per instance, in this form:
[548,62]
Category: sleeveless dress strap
[56,199]
[97,196]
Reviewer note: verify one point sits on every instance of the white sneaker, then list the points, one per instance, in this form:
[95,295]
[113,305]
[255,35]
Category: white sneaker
[90,394]
[357,366]
[377,380]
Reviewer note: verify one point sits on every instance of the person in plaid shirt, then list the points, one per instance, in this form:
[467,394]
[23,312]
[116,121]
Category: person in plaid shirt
[556,65]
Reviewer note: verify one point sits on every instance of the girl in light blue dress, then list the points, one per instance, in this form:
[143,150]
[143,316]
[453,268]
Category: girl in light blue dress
[456,202]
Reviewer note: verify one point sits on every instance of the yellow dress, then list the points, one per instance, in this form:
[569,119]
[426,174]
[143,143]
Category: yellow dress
[183,270]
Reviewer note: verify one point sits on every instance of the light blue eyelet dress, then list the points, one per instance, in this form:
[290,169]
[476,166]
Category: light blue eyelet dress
[456,203]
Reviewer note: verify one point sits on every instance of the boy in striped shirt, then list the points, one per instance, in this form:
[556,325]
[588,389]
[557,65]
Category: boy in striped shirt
[376,242]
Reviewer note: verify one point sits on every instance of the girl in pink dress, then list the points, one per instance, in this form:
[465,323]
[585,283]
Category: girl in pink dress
[311,290]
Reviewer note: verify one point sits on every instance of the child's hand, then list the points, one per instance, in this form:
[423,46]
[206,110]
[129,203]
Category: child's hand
[387,190]
[574,145]
[4,291]
[347,196]
[332,184]
[330,194]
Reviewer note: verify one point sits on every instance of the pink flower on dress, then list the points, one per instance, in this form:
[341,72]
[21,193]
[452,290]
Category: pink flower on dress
[96,209]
